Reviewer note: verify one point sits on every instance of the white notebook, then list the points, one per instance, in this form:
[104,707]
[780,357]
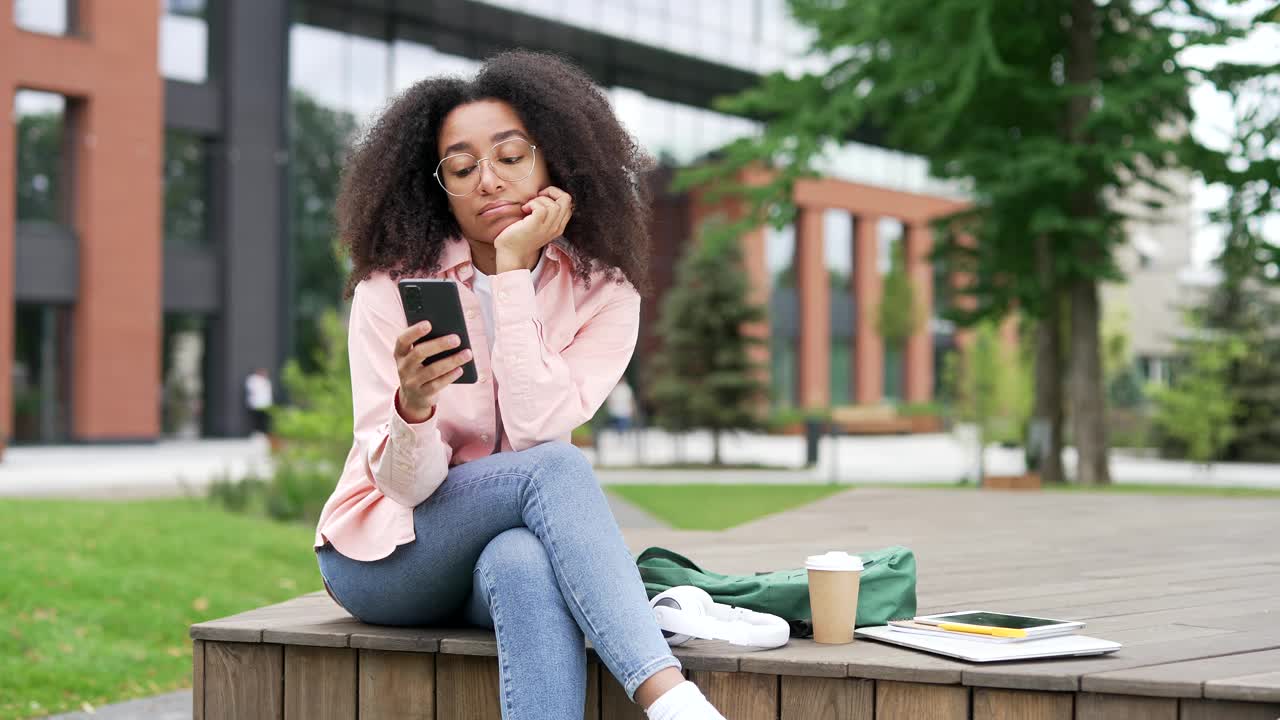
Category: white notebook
[978,651]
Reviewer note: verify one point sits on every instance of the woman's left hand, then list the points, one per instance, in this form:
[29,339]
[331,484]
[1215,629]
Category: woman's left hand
[548,214]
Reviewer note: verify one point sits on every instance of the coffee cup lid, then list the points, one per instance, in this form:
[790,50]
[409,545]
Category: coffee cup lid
[834,560]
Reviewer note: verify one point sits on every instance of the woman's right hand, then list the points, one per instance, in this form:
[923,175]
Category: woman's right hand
[420,384]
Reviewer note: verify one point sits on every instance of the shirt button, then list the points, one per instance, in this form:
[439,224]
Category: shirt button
[482,378]
[471,314]
[484,437]
[502,295]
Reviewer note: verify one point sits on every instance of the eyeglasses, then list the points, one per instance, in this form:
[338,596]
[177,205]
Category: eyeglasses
[512,160]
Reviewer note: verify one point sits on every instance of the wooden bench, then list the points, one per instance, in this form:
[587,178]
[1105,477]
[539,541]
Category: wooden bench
[870,420]
[1189,585]
[307,659]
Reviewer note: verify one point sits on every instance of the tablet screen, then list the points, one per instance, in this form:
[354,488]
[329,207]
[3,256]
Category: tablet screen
[990,619]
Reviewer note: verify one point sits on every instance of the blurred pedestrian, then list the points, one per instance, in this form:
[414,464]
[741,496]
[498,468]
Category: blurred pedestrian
[621,407]
[258,398]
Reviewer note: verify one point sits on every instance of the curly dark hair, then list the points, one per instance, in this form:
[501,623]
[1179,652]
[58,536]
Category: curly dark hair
[393,216]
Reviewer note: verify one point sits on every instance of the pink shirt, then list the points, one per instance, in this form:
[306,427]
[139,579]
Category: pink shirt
[558,350]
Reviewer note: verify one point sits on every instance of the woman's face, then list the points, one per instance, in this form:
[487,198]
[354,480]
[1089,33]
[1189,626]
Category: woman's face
[495,203]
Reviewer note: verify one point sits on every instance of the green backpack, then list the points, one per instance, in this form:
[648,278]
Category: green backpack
[886,589]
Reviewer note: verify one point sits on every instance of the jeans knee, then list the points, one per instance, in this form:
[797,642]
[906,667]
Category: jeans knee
[516,556]
[564,466]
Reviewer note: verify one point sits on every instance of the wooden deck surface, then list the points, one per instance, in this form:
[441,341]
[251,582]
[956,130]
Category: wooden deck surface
[1190,586]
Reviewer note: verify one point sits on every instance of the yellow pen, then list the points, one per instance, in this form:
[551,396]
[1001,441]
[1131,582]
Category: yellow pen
[983,630]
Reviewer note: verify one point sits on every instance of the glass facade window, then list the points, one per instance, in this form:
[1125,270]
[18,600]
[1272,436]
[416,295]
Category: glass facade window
[784,317]
[42,156]
[184,40]
[889,236]
[413,61]
[676,134]
[889,232]
[837,250]
[41,373]
[185,368]
[50,17]
[186,189]
[757,35]
[342,74]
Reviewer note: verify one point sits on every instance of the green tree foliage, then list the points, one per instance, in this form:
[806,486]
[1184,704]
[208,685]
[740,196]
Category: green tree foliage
[1241,357]
[1199,407]
[1045,111]
[704,376]
[315,430]
[319,140]
[899,315]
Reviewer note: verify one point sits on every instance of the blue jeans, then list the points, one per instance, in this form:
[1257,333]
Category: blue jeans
[524,543]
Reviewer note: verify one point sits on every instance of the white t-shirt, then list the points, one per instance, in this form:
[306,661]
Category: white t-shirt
[483,288]
[621,402]
[258,391]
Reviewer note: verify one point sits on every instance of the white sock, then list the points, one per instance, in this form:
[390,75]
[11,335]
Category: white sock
[683,702]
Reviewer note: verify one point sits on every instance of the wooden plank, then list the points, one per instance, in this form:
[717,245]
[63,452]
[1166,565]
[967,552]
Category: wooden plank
[243,681]
[711,655]
[739,695]
[989,704]
[805,698]
[1183,679]
[912,701]
[1153,600]
[397,685]
[1091,706]
[375,637]
[318,632]
[1243,622]
[591,708]
[1250,688]
[1226,710]
[801,657]
[197,679]
[614,703]
[470,641]
[319,683]
[467,688]
[248,626]
[881,661]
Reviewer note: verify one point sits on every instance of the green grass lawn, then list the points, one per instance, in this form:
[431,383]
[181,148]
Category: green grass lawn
[96,598]
[716,507]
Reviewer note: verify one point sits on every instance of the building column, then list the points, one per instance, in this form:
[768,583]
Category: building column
[116,147]
[814,292]
[248,48]
[867,289]
[960,282]
[756,267]
[8,211]
[919,372]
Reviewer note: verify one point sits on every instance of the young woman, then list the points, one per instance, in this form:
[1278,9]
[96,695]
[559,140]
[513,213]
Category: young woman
[467,502]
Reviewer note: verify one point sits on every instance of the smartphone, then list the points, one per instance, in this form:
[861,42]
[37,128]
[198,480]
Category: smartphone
[438,302]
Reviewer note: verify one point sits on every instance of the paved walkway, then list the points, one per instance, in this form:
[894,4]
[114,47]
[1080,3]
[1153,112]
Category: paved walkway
[170,706]
[189,466]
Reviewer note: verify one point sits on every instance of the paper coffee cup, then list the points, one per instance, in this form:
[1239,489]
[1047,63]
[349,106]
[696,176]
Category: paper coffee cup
[833,595]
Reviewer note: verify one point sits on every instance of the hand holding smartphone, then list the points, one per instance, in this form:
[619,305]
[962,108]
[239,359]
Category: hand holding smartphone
[435,351]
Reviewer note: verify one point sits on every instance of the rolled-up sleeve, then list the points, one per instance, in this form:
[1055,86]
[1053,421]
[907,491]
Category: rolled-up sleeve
[406,461]
[543,394]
